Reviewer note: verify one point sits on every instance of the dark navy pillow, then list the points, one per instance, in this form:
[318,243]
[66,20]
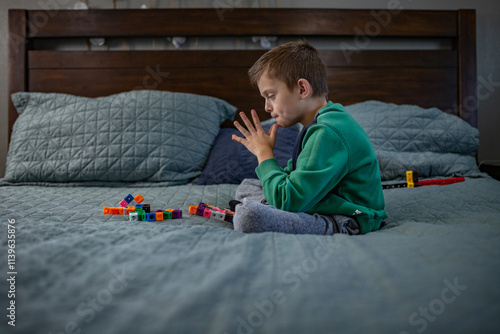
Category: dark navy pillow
[231,162]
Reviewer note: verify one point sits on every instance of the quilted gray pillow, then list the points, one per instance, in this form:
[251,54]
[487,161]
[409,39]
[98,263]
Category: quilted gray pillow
[132,136]
[408,137]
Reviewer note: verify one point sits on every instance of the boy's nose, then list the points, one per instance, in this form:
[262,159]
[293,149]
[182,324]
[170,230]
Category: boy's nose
[267,107]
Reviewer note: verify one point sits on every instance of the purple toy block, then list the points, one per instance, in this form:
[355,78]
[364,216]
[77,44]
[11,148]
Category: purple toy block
[176,214]
[200,210]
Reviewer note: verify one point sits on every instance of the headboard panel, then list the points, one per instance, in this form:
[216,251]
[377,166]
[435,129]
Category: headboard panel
[440,78]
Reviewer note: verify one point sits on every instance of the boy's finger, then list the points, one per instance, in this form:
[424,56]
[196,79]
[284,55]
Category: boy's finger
[243,131]
[247,122]
[236,138]
[256,120]
[273,131]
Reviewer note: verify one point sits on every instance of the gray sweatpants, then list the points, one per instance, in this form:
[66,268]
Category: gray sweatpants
[254,216]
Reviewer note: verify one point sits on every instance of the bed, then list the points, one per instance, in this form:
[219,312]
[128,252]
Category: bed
[89,127]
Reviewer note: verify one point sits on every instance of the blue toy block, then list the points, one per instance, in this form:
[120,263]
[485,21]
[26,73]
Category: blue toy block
[150,216]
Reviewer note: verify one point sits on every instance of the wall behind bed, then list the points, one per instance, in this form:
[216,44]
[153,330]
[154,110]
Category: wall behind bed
[488,46]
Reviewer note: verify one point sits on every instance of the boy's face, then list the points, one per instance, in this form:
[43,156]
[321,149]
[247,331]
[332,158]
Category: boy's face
[284,105]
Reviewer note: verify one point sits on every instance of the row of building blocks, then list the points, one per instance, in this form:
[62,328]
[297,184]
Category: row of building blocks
[413,181]
[209,211]
[129,199]
[125,211]
[155,216]
[139,211]
[112,211]
[441,182]
[395,185]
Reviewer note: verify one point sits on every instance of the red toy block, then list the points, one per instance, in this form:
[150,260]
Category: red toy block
[117,211]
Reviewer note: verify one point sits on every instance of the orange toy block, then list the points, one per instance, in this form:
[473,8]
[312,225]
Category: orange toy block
[138,199]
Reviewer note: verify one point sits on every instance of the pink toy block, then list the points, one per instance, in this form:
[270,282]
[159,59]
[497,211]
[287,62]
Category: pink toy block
[207,213]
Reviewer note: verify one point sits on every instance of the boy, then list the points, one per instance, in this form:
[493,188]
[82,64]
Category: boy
[332,183]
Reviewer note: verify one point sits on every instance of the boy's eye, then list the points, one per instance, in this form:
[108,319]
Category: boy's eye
[271,97]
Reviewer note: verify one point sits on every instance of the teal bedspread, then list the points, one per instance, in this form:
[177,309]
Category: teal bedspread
[433,268]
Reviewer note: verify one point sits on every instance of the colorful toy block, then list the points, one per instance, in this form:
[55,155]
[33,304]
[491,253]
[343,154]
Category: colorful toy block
[409,179]
[146,208]
[133,216]
[142,216]
[207,213]
[118,211]
[193,209]
[167,214]
[150,216]
[159,215]
[138,199]
[218,215]
[200,210]
[176,214]
[229,216]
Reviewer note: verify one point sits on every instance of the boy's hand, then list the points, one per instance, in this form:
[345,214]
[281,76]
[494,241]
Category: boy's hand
[256,140]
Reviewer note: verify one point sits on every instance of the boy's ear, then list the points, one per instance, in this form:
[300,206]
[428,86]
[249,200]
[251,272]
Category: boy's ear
[305,88]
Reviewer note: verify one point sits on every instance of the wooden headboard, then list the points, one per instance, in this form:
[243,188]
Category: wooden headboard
[443,78]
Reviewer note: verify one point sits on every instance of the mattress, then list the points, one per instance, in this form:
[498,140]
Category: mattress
[433,267]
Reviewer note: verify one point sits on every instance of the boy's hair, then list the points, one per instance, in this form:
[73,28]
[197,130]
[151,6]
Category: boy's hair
[290,62]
